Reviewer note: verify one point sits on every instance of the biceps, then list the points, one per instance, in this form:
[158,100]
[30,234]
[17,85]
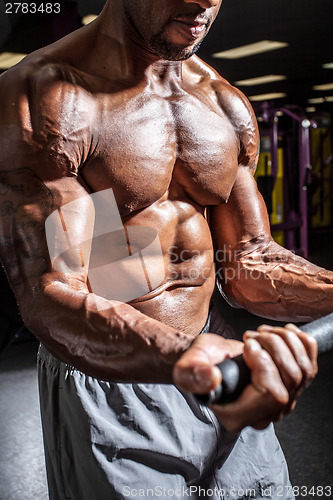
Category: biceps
[243,218]
[69,232]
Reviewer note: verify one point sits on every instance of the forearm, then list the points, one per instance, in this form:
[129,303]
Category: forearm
[272,282]
[105,339]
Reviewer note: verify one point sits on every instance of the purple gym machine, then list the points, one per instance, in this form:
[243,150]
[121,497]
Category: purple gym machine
[292,127]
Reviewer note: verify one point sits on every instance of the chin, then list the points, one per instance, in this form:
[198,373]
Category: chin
[181,56]
[171,52]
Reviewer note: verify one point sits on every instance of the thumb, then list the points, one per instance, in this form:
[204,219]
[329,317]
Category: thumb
[199,377]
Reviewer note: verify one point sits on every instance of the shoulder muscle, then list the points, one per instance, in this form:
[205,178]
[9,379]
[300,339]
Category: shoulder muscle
[46,114]
[240,113]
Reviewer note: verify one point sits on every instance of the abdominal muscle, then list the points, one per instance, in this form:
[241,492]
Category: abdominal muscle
[182,299]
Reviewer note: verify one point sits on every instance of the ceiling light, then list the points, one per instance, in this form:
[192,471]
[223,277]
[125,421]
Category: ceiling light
[316,100]
[261,79]
[324,86]
[267,97]
[250,49]
[311,109]
[328,65]
[9,59]
[89,18]
[321,100]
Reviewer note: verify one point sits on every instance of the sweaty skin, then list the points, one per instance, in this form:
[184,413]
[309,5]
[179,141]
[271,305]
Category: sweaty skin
[105,108]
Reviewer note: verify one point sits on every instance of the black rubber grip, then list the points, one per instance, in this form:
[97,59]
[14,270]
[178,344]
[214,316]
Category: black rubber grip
[236,375]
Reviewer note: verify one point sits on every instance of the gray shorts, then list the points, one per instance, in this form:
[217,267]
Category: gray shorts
[108,441]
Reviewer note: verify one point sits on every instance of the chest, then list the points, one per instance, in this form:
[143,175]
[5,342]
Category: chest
[148,143]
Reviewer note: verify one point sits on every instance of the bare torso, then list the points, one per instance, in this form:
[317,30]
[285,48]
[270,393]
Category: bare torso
[167,137]
[164,157]
[164,145]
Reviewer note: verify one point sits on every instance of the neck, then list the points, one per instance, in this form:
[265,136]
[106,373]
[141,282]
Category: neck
[121,52]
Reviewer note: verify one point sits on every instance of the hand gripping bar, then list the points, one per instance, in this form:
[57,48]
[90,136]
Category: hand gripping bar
[236,374]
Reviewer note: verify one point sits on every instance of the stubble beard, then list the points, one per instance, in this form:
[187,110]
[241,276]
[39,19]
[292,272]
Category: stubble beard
[169,51]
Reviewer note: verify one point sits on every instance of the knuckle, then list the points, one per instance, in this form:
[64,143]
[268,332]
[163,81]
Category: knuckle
[278,400]
[309,370]
[312,342]
[291,326]
[282,399]
[296,377]
[265,367]
[264,359]
[274,340]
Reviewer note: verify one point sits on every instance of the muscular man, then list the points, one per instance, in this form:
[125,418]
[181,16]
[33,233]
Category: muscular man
[124,104]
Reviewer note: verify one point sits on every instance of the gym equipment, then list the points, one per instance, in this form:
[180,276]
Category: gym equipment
[287,129]
[321,189]
[236,375]
[12,327]
[271,187]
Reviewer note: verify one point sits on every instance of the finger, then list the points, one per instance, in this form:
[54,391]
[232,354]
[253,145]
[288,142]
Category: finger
[265,376]
[309,343]
[304,350]
[303,347]
[251,408]
[200,379]
[212,348]
[263,401]
[196,375]
[195,371]
[311,346]
[290,372]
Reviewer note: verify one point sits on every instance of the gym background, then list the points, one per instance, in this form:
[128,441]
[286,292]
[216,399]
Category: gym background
[280,54]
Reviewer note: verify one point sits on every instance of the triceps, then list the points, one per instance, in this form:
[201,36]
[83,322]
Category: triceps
[25,201]
[46,228]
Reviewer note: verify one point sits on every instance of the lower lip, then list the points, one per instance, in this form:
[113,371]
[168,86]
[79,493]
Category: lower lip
[190,31]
